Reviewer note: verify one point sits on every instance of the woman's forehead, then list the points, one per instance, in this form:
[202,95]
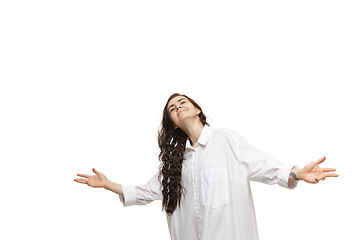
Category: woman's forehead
[176,99]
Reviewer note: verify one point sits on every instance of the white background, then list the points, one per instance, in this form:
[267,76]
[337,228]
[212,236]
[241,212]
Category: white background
[83,85]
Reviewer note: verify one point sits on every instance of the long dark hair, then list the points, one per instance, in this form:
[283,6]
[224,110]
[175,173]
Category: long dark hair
[172,147]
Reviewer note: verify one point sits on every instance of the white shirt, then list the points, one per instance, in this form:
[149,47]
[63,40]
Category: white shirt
[216,172]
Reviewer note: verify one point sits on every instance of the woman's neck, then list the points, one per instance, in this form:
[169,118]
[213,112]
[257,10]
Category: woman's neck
[193,130]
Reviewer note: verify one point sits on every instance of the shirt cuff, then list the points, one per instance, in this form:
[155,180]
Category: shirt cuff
[129,195]
[283,179]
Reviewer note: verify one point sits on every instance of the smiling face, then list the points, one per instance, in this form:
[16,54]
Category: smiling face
[181,109]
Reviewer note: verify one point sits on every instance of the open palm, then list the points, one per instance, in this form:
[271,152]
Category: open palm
[312,173]
[96,181]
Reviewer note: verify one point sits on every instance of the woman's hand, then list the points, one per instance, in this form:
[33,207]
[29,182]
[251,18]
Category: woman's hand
[312,173]
[96,181]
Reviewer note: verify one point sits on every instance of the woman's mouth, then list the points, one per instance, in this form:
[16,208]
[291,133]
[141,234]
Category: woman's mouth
[181,112]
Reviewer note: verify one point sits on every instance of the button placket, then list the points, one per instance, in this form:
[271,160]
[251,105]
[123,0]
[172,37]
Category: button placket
[196,195]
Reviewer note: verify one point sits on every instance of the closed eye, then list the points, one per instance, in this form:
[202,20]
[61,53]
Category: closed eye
[180,104]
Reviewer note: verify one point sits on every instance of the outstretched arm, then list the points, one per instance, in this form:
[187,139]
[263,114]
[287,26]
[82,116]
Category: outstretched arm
[312,173]
[129,195]
[99,180]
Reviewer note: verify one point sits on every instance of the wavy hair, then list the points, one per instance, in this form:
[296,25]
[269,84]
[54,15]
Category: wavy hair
[172,147]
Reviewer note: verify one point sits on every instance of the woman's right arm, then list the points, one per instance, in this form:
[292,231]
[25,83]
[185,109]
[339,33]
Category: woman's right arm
[99,181]
[114,187]
[129,195]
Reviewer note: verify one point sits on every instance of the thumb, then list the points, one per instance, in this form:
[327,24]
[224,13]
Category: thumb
[320,160]
[95,171]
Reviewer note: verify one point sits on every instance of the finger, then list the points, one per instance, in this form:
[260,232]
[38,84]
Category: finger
[319,178]
[328,169]
[95,171]
[331,174]
[80,180]
[316,180]
[320,160]
[83,175]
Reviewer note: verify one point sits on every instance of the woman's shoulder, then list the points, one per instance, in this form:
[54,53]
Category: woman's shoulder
[233,138]
[228,133]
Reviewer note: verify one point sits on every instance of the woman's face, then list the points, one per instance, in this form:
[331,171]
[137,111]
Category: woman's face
[180,109]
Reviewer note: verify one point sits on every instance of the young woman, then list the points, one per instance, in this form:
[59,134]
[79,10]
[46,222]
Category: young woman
[203,179]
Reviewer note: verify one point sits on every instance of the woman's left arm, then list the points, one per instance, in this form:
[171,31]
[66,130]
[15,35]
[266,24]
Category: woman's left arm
[312,173]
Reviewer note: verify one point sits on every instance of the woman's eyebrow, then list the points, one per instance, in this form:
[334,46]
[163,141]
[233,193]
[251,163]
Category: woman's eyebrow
[178,101]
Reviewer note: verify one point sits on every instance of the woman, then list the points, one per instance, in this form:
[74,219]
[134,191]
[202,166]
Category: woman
[203,179]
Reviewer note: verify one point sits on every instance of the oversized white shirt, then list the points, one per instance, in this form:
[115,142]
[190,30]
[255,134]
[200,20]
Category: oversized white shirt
[216,172]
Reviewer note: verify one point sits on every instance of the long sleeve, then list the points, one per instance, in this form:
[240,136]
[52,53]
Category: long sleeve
[141,194]
[261,166]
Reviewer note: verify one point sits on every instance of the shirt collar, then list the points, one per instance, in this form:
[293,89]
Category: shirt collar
[204,136]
